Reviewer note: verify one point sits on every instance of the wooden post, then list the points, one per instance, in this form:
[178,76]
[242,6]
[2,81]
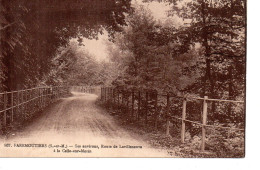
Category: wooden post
[139,105]
[183,120]
[114,97]
[12,106]
[33,100]
[156,112]
[5,112]
[49,95]
[38,98]
[105,94]
[55,92]
[41,99]
[25,105]
[127,104]
[52,92]
[204,122]
[122,98]
[17,103]
[118,99]
[167,116]
[22,106]
[146,107]
[109,94]
[45,96]
[101,97]
[133,103]
[30,103]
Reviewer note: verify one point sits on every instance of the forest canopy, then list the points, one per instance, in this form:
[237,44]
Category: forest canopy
[204,55]
[33,31]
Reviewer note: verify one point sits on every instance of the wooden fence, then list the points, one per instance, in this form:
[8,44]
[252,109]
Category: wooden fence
[18,106]
[84,89]
[139,102]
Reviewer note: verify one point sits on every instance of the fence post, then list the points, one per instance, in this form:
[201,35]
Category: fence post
[5,106]
[204,122]
[22,106]
[17,103]
[38,98]
[183,119]
[52,93]
[156,112]
[146,107]
[41,97]
[56,92]
[139,105]
[101,95]
[127,104]
[118,99]
[133,102]
[12,106]
[167,116]
[122,98]
[114,96]
[105,95]
[32,101]
[109,97]
[30,106]
[47,97]
[25,104]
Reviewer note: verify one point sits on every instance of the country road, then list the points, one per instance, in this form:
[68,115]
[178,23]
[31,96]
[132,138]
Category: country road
[76,127]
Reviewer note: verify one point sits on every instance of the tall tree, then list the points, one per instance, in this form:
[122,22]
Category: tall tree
[218,26]
[32,31]
[148,51]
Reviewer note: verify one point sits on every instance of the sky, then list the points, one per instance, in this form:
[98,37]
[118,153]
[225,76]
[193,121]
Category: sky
[98,47]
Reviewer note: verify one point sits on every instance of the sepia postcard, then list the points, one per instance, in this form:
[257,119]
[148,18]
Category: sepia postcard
[123,78]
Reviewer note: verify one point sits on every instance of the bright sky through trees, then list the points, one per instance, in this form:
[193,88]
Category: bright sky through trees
[98,47]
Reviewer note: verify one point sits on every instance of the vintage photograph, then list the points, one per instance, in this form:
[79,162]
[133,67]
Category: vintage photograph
[123,78]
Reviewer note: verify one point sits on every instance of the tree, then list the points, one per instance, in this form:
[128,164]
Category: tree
[145,51]
[73,67]
[32,31]
[218,26]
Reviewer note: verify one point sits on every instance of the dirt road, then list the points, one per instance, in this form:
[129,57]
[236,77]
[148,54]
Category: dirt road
[76,127]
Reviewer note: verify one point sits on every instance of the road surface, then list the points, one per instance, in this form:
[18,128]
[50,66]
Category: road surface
[76,127]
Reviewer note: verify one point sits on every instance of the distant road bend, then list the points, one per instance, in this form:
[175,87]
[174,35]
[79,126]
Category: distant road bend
[76,127]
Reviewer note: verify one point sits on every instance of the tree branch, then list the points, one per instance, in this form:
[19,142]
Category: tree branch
[9,25]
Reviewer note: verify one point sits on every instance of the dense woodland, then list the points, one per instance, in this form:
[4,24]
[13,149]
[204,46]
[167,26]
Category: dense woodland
[204,55]
[201,54]
[32,33]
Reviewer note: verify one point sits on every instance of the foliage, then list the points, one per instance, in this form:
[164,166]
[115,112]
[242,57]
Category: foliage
[33,31]
[148,52]
[203,57]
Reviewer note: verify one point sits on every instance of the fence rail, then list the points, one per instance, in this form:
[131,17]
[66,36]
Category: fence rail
[84,89]
[139,101]
[20,105]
